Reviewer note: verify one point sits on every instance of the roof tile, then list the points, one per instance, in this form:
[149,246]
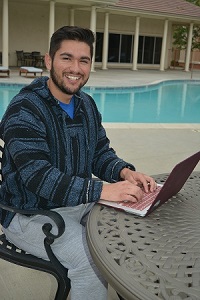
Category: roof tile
[170,7]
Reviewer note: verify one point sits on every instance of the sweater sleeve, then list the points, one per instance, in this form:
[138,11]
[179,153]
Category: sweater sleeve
[107,165]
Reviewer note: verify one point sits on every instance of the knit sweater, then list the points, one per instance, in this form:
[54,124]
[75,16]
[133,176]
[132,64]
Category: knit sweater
[49,158]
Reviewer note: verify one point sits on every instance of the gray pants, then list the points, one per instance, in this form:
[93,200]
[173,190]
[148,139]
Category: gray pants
[71,249]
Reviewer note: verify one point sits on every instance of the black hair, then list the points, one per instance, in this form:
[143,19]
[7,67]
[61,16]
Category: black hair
[71,33]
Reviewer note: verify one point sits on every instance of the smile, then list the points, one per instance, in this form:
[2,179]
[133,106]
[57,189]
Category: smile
[73,77]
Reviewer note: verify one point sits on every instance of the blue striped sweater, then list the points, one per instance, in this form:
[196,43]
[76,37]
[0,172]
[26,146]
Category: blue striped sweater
[49,158]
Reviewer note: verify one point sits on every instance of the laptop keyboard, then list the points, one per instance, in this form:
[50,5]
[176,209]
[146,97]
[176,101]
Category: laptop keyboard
[145,202]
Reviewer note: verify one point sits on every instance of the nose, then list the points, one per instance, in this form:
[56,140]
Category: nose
[74,66]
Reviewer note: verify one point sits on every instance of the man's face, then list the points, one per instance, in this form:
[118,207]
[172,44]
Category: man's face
[69,70]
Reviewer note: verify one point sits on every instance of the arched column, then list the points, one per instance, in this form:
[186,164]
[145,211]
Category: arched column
[164,45]
[93,28]
[105,42]
[51,19]
[136,42]
[5,34]
[189,46]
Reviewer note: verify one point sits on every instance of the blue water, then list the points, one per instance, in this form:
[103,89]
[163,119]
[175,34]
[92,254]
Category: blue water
[166,102]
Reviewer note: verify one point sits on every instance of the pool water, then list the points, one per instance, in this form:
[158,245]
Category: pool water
[166,102]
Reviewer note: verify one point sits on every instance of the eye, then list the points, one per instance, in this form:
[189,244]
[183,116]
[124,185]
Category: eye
[84,61]
[66,58]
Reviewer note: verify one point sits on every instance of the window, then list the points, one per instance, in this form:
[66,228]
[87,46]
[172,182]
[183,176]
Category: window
[140,49]
[158,47]
[149,50]
[126,48]
[99,46]
[114,47]
[120,48]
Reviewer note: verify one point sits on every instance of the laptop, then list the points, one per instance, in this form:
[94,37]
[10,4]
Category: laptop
[171,187]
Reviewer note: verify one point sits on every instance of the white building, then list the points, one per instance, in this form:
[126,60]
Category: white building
[129,34]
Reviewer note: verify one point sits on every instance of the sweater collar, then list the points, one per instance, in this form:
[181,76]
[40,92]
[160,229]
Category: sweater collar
[40,87]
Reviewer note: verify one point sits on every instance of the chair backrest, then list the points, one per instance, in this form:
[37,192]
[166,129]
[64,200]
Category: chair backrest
[35,53]
[20,54]
[27,55]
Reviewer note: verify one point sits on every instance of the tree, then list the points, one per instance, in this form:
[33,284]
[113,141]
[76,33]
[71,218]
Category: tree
[180,35]
[195,2]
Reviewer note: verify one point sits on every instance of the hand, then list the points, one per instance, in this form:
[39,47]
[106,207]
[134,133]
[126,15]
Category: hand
[140,179]
[121,191]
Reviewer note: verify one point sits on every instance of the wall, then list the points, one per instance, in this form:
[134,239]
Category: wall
[29,25]
[28,28]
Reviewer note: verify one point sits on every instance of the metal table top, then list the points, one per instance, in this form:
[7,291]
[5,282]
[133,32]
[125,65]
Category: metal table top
[155,257]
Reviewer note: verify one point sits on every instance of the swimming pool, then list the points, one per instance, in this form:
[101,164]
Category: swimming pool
[166,102]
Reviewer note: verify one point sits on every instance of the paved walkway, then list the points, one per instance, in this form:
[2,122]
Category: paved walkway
[152,148]
[124,78]
[119,77]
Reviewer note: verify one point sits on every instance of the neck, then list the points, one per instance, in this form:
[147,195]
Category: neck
[58,94]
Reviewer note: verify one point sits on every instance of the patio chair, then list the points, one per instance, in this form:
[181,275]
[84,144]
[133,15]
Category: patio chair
[20,57]
[35,55]
[28,59]
[13,254]
[38,59]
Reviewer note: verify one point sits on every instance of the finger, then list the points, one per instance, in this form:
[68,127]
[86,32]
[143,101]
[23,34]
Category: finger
[152,185]
[149,184]
[144,184]
[132,198]
[136,195]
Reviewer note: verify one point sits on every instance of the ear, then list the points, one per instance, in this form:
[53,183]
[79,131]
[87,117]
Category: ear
[48,61]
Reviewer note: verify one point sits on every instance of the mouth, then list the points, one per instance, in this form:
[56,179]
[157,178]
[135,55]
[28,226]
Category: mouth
[72,77]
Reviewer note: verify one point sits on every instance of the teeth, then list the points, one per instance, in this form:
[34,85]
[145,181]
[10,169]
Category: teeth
[73,77]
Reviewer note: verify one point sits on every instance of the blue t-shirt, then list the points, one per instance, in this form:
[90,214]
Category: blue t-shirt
[68,108]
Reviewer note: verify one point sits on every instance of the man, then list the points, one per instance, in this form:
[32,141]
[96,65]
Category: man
[54,142]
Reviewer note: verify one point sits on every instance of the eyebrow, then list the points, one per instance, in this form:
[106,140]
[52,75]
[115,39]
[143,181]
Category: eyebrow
[71,55]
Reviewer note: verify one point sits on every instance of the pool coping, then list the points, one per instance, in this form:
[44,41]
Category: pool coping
[93,88]
[193,126]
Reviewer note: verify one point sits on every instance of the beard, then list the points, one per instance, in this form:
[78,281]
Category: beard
[59,83]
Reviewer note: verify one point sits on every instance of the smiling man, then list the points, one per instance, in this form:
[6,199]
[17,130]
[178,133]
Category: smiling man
[69,69]
[54,142]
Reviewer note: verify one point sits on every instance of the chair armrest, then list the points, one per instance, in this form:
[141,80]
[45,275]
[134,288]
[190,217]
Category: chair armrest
[49,239]
[53,215]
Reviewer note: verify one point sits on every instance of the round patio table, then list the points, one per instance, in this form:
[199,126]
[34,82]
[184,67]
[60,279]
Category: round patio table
[154,257]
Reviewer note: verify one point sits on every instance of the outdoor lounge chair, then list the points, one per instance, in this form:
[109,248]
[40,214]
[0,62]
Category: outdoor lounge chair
[4,70]
[30,70]
[13,254]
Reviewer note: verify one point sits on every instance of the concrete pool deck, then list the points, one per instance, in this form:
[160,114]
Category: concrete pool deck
[152,148]
[117,77]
